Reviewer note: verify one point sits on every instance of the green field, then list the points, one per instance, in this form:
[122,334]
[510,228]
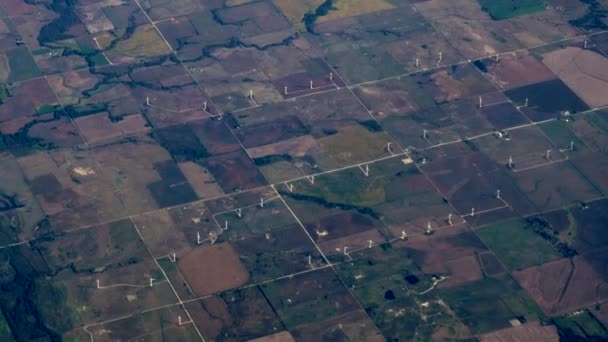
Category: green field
[505,9]
[22,65]
[488,304]
[560,134]
[581,326]
[5,330]
[516,246]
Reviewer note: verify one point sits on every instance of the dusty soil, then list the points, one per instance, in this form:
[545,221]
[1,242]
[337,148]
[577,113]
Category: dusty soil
[212,268]
[584,71]
[201,180]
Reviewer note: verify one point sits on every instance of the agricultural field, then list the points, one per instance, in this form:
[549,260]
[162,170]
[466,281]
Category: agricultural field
[303,170]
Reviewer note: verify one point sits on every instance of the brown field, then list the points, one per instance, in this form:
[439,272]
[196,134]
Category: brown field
[456,177]
[17,7]
[161,236]
[382,101]
[60,132]
[201,180]
[215,136]
[352,241]
[564,285]
[68,86]
[99,128]
[295,10]
[152,326]
[239,315]
[517,69]
[464,22]
[490,264]
[356,326]
[144,42]
[583,71]
[283,336]
[132,168]
[451,255]
[69,203]
[295,147]
[531,331]
[602,314]
[351,145]
[19,109]
[551,192]
[271,132]
[212,268]
[527,146]
[340,225]
[234,171]
[594,166]
[299,84]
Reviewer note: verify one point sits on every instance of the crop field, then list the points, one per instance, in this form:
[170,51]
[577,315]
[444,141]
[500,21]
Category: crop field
[282,170]
[523,248]
[561,286]
[505,9]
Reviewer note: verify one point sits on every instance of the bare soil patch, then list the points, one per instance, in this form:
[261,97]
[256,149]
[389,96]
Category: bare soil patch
[212,268]
[584,71]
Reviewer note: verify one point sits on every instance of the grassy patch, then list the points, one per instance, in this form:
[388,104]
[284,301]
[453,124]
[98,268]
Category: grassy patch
[353,144]
[505,9]
[22,65]
[488,304]
[559,133]
[48,108]
[350,8]
[349,188]
[516,246]
[580,326]
[5,330]
[144,42]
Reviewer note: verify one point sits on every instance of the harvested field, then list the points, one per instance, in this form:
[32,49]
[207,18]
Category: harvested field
[338,226]
[503,115]
[382,100]
[546,100]
[351,8]
[314,297]
[239,315]
[549,193]
[351,145]
[295,147]
[144,42]
[515,70]
[355,326]
[234,171]
[454,256]
[98,128]
[283,336]
[584,71]
[352,242]
[267,133]
[564,285]
[160,234]
[212,268]
[201,180]
[531,331]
